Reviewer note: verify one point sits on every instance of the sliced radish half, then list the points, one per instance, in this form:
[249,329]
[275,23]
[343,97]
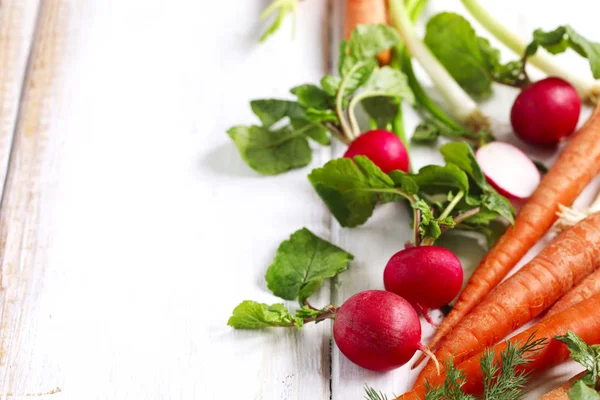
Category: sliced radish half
[508,169]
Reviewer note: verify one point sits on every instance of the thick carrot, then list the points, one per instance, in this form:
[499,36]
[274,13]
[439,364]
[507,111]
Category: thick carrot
[561,392]
[587,288]
[571,257]
[577,165]
[582,319]
[366,12]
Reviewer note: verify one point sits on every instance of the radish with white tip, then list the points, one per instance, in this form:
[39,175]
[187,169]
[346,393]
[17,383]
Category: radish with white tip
[508,170]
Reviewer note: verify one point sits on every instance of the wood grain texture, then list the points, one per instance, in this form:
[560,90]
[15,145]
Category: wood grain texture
[22,239]
[129,226]
[17,22]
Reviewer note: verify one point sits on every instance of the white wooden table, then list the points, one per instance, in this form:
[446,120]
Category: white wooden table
[129,225]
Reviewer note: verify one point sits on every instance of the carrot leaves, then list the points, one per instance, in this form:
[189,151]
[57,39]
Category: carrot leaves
[588,356]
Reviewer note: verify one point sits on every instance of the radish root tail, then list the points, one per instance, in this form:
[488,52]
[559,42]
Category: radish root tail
[430,354]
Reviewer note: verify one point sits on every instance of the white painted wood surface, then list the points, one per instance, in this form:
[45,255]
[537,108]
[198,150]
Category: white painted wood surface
[129,226]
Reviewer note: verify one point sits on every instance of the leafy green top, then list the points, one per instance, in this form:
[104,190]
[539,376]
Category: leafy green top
[300,266]
[302,263]
[280,143]
[562,38]
[442,197]
[475,64]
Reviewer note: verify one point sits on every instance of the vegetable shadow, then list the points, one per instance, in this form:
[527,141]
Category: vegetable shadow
[225,160]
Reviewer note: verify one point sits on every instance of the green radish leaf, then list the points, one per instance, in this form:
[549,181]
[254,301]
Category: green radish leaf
[438,179]
[331,84]
[271,111]
[426,132]
[387,81]
[494,202]
[252,315]
[313,130]
[404,182]
[462,156]
[311,96]
[302,263]
[580,391]
[562,38]
[366,41]
[321,116]
[271,152]
[471,60]
[430,129]
[382,109]
[357,76]
[383,93]
[455,44]
[351,189]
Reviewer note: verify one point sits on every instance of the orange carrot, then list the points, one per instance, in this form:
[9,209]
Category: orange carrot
[366,12]
[587,288]
[577,165]
[582,319]
[561,392]
[570,258]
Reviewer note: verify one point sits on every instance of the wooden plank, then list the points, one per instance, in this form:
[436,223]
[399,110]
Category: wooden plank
[130,227]
[21,236]
[17,22]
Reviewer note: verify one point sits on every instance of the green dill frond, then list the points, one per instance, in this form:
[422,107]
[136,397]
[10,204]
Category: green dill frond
[503,379]
[451,388]
[372,394]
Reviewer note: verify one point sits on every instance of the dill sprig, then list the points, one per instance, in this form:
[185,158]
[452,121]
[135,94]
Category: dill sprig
[451,388]
[502,378]
[372,394]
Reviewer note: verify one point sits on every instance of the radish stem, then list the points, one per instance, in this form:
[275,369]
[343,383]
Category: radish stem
[452,204]
[462,107]
[587,87]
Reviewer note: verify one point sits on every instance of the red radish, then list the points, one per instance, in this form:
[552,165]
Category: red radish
[378,330]
[508,169]
[427,276]
[382,147]
[546,112]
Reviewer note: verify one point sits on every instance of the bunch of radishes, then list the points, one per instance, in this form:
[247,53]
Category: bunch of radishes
[380,330]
